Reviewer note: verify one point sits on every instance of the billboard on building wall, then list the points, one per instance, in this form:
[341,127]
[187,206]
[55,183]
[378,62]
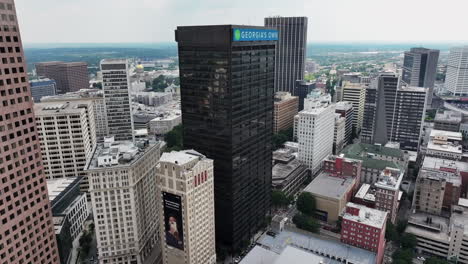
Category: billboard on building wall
[252,34]
[173,225]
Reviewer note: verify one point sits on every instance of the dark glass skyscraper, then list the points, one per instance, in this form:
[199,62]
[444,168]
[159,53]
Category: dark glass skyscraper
[227,89]
[420,69]
[290,51]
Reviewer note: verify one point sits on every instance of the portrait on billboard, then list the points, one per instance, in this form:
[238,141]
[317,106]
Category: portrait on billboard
[173,220]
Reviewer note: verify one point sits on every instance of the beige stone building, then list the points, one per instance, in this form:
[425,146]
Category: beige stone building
[286,107]
[356,94]
[123,191]
[185,180]
[68,138]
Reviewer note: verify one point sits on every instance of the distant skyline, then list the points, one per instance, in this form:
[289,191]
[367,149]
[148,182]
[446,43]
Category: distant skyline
[134,21]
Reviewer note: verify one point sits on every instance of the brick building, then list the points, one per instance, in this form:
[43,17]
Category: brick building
[69,76]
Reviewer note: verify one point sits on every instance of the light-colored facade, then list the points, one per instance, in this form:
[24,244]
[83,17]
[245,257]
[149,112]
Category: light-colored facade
[99,107]
[456,80]
[186,184]
[66,200]
[68,138]
[152,98]
[448,121]
[288,173]
[355,93]
[115,83]
[339,134]
[162,125]
[445,144]
[42,87]
[125,203]
[387,192]
[346,110]
[313,127]
[286,107]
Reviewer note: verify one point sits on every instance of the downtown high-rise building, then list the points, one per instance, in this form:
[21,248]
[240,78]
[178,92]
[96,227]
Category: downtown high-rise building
[188,217]
[393,113]
[227,88]
[115,83]
[420,69]
[355,93]
[27,232]
[69,76]
[456,79]
[291,51]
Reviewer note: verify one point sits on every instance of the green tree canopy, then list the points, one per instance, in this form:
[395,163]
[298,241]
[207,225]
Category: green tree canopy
[306,222]
[391,232]
[408,241]
[403,256]
[174,139]
[306,203]
[434,260]
[278,198]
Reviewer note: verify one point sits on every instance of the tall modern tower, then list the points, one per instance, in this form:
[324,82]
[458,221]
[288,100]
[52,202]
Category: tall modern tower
[115,83]
[69,76]
[456,80]
[393,113]
[420,69]
[227,89]
[290,51]
[26,228]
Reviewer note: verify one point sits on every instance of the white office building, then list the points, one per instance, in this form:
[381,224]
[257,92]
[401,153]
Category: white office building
[456,80]
[115,83]
[185,180]
[339,135]
[314,127]
[123,191]
[355,93]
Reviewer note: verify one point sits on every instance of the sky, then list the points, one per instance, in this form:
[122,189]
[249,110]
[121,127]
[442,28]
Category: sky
[117,21]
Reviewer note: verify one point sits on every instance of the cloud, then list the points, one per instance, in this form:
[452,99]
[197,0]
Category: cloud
[60,21]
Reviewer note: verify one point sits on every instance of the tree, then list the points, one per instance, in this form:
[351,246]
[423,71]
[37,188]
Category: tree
[434,260]
[401,226]
[279,199]
[97,85]
[174,139]
[306,203]
[408,241]
[281,137]
[306,222]
[391,232]
[159,83]
[403,255]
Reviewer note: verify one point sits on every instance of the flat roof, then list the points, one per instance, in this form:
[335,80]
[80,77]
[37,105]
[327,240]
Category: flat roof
[463,202]
[437,230]
[438,163]
[448,116]
[292,255]
[317,245]
[457,149]
[114,61]
[450,134]
[328,186]
[181,157]
[436,174]
[259,255]
[56,186]
[57,108]
[367,216]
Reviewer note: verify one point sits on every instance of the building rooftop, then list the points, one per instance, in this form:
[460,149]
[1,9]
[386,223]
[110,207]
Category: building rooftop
[438,163]
[166,117]
[449,135]
[299,256]
[449,147]
[390,179]
[112,154]
[181,157]
[284,155]
[430,226]
[463,202]
[58,108]
[365,193]
[412,89]
[316,245]
[366,215]
[56,187]
[42,81]
[435,174]
[343,105]
[81,94]
[328,186]
[367,153]
[448,116]
[283,96]
[282,171]
[260,255]
[114,61]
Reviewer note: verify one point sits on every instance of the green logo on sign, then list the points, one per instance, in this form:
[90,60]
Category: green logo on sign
[237,34]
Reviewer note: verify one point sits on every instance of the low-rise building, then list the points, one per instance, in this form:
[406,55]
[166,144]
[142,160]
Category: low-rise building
[445,144]
[66,200]
[331,194]
[449,166]
[375,158]
[152,98]
[436,191]
[288,173]
[364,227]
[448,121]
[42,87]
[286,107]
[161,125]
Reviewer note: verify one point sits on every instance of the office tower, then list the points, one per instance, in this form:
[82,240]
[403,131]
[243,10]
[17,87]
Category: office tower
[42,87]
[355,93]
[437,191]
[364,227]
[393,113]
[346,110]
[456,79]
[117,98]
[70,76]
[314,128]
[285,109]
[68,137]
[125,203]
[229,118]
[85,95]
[339,135]
[27,231]
[188,213]
[420,69]
[291,51]
[301,90]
